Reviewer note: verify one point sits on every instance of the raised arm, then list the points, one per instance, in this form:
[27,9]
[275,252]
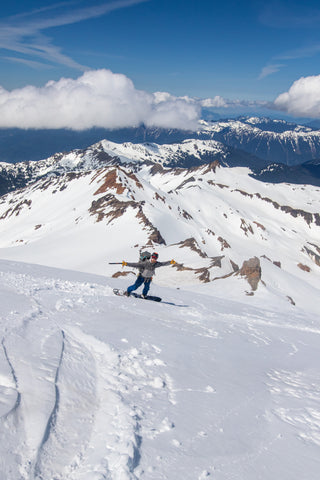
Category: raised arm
[164,264]
[132,264]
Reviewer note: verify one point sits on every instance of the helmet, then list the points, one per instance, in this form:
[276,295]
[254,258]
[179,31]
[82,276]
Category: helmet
[154,256]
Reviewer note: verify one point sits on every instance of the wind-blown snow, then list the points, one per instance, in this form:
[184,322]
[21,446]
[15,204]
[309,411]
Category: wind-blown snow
[94,386]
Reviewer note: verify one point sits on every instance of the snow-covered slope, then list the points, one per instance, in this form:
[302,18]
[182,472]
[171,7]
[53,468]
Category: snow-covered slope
[210,219]
[94,386]
[190,152]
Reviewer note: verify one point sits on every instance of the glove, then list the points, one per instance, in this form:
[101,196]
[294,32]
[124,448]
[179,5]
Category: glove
[124,263]
[172,262]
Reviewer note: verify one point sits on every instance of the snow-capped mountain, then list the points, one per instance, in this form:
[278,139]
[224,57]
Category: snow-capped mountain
[186,154]
[85,209]
[189,153]
[269,141]
[274,141]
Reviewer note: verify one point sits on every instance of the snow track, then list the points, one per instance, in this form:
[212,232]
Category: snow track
[96,415]
[76,385]
[58,375]
[99,387]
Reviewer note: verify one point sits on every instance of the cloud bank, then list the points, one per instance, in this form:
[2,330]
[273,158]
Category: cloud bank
[302,99]
[101,98]
[220,102]
[98,98]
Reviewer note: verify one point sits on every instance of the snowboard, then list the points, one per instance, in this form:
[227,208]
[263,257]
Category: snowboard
[119,292]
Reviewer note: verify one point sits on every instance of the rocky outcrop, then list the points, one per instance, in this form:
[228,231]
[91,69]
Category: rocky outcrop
[311,252]
[109,207]
[246,227]
[251,270]
[111,183]
[193,245]
[16,209]
[224,243]
[154,234]
[203,273]
[308,217]
[303,267]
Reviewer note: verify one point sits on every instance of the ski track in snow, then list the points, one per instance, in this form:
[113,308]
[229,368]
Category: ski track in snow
[76,408]
[80,382]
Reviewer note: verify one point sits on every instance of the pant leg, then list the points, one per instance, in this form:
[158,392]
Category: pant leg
[139,281]
[146,287]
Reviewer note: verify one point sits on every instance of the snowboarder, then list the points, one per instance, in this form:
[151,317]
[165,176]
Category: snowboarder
[146,268]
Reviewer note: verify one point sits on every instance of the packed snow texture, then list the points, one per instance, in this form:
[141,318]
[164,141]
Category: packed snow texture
[95,386]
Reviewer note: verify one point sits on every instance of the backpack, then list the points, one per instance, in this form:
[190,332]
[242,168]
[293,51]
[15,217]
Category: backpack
[145,256]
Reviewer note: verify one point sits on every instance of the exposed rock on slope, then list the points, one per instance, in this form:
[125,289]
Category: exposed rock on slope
[251,270]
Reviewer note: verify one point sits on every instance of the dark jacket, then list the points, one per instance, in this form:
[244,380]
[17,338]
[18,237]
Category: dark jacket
[147,268]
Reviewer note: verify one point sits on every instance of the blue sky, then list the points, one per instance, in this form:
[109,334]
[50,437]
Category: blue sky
[238,51]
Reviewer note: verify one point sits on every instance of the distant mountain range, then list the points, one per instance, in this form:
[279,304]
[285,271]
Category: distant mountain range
[260,140]
[186,154]
[274,141]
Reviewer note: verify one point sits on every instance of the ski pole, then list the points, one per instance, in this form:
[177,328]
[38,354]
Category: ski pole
[115,263]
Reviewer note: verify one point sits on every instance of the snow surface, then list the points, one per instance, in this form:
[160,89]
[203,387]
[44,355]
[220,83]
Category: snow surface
[95,386]
[162,154]
[216,381]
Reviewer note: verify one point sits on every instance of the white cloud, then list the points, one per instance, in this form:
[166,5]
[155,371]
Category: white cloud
[29,63]
[220,102]
[101,98]
[302,52]
[269,70]
[98,98]
[302,99]
[216,102]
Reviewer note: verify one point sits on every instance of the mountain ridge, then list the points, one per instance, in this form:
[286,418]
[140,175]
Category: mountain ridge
[272,141]
[187,154]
